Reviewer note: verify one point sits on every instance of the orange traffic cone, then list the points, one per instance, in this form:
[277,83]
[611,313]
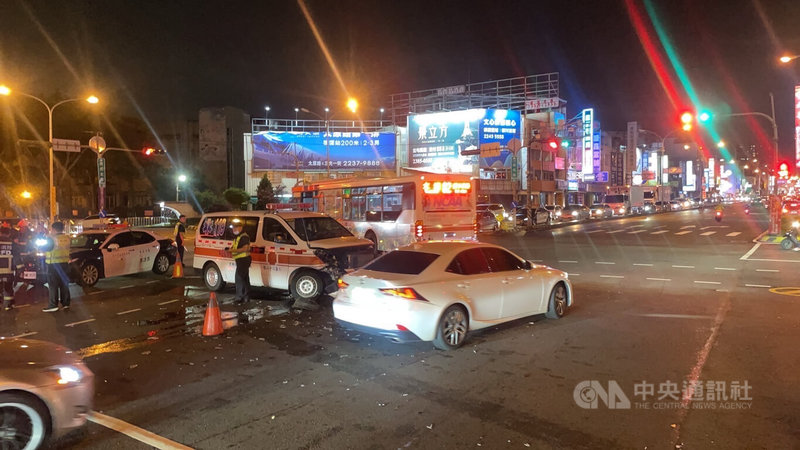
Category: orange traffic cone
[212,325]
[177,270]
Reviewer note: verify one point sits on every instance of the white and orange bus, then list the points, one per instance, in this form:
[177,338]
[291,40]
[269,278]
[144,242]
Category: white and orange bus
[392,212]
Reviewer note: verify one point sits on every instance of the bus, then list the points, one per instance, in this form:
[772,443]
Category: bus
[393,212]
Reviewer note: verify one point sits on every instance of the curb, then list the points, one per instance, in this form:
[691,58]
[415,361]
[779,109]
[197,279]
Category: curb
[765,238]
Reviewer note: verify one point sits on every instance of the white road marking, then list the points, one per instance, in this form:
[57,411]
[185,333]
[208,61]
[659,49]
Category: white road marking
[707,282]
[643,264]
[752,250]
[130,285]
[604,262]
[676,316]
[758,285]
[724,268]
[659,279]
[132,431]
[615,231]
[21,306]
[708,233]
[571,262]
[688,226]
[169,301]
[130,311]
[31,333]
[774,260]
[79,322]
[611,276]
[637,231]
[593,231]
[152,281]
[573,274]
[537,260]
[635,226]
[660,232]
[735,233]
[767,270]
[96,292]
[681,233]
[682,267]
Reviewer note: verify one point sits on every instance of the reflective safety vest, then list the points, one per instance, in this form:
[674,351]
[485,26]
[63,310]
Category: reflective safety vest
[238,254]
[177,226]
[6,246]
[60,251]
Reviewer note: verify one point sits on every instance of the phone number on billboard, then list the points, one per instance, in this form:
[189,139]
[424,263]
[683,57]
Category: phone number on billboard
[369,163]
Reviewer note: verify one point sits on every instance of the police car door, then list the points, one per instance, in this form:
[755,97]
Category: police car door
[117,254]
[280,245]
[146,249]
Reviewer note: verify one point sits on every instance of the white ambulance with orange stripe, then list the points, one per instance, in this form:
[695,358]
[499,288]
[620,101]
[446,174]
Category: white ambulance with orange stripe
[300,252]
[394,212]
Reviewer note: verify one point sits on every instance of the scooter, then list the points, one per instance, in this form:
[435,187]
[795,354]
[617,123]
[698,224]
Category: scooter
[747,209]
[790,240]
[718,216]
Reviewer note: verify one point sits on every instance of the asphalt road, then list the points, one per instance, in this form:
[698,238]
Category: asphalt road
[659,301]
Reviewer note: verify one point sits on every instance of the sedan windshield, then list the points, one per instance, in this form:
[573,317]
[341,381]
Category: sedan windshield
[316,228]
[402,261]
[88,241]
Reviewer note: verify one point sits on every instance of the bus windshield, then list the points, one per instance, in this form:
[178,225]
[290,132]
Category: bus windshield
[316,228]
[615,198]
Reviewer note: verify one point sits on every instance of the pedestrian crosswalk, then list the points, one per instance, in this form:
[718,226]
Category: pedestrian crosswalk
[685,230]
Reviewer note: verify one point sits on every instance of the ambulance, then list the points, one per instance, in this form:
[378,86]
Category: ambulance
[302,252]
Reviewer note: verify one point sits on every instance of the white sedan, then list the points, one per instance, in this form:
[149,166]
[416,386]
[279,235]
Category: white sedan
[438,291]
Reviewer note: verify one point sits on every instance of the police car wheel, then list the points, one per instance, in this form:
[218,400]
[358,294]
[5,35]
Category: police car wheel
[213,277]
[89,275]
[306,286]
[161,264]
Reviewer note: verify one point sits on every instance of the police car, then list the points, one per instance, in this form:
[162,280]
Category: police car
[100,254]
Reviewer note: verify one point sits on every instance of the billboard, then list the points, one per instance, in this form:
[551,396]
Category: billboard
[457,141]
[587,116]
[347,151]
[797,126]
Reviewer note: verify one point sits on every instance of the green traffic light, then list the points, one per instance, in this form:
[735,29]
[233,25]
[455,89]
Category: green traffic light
[704,116]
[565,143]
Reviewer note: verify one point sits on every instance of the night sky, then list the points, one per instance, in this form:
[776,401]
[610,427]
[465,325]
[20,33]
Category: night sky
[167,59]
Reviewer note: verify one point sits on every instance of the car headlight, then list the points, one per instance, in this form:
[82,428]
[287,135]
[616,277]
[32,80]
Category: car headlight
[40,242]
[558,213]
[622,210]
[795,224]
[67,374]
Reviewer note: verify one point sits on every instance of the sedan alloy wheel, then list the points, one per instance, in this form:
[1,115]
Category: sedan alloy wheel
[453,328]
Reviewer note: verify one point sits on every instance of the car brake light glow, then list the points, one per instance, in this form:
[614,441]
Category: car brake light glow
[785,210]
[406,293]
[418,229]
[401,328]
[340,282]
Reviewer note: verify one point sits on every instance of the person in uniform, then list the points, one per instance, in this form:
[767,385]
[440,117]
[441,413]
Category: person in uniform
[180,233]
[7,268]
[240,251]
[57,259]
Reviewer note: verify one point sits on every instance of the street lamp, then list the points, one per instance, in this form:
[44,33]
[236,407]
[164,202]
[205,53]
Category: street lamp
[382,110]
[26,195]
[266,111]
[296,110]
[721,144]
[181,179]
[788,58]
[5,90]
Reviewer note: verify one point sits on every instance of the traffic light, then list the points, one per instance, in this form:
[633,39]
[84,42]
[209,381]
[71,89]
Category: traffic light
[148,151]
[686,120]
[565,143]
[553,143]
[704,116]
[783,170]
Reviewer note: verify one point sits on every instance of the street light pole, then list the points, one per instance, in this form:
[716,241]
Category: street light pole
[774,132]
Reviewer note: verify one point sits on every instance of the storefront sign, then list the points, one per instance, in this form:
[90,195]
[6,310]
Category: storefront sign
[587,116]
[542,103]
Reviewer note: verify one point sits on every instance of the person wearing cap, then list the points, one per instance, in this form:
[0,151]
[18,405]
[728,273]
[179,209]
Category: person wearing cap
[57,258]
[240,252]
[6,268]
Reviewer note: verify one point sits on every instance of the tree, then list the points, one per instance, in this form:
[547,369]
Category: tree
[236,197]
[207,199]
[265,193]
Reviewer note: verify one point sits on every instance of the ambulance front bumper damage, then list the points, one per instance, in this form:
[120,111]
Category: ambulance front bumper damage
[341,260]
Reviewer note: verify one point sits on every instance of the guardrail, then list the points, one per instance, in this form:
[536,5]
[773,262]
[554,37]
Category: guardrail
[75,228]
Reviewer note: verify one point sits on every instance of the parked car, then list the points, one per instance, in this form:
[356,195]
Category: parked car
[533,217]
[486,221]
[663,206]
[45,391]
[555,212]
[676,205]
[97,222]
[439,291]
[601,211]
[575,212]
[497,209]
[649,208]
[97,254]
[791,207]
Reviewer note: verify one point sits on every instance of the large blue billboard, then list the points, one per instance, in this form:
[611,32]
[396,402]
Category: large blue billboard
[457,141]
[347,151]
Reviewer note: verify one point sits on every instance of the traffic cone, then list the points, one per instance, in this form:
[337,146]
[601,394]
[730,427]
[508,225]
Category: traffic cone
[212,325]
[177,270]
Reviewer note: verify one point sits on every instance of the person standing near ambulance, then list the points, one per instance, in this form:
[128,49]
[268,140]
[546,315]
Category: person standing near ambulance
[180,234]
[240,251]
[7,268]
[57,258]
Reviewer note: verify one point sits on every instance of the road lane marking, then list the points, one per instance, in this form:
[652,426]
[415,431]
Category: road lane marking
[735,233]
[537,260]
[593,231]
[96,292]
[750,253]
[708,233]
[611,276]
[169,301]
[152,281]
[681,233]
[79,322]
[21,306]
[637,231]
[572,274]
[677,316]
[604,262]
[31,333]
[758,285]
[127,286]
[615,231]
[724,268]
[792,291]
[571,262]
[643,264]
[767,270]
[132,431]
[774,260]
[659,279]
[707,282]
[682,267]
[660,232]
[688,226]
[130,311]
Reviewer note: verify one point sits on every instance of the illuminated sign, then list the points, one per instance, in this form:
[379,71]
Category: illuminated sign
[797,125]
[446,187]
[341,151]
[572,185]
[542,103]
[587,116]
[690,178]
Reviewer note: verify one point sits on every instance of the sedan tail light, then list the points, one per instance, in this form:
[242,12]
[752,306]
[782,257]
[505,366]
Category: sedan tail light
[418,228]
[406,293]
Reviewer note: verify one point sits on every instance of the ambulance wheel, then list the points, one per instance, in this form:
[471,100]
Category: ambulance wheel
[307,285]
[212,277]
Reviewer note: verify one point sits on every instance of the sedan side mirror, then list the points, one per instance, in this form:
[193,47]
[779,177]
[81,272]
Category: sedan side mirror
[112,247]
[528,265]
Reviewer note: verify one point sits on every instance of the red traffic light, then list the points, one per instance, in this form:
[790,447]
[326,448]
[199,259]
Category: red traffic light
[783,170]
[553,143]
[687,117]
[148,151]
